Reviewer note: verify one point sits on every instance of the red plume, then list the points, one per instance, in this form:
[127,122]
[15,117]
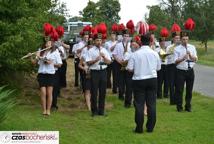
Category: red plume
[164,32]
[93,31]
[189,24]
[114,27]
[60,31]
[144,28]
[54,35]
[175,28]
[152,27]
[87,28]
[130,25]
[121,27]
[101,28]
[48,28]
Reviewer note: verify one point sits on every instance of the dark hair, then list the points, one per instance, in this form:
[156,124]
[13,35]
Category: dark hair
[145,39]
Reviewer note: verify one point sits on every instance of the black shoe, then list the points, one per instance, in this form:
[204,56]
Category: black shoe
[138,130]
[102,114]
[94,114]
[114,92]
[127,105]
[179,109]
[54,108]
[149,131]
[188,109]
[121,98]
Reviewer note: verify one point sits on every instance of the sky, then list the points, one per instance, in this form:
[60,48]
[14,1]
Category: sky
[130,9]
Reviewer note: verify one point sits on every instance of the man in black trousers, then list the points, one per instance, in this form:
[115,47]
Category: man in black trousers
[185,58]
[97,59]
[144,63]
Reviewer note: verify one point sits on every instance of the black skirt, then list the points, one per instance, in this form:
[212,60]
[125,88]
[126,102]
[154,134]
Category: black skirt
[45,80]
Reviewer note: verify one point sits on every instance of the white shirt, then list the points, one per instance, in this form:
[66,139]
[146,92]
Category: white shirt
[145,63]
[170,58]
[119,50]
[93,53]
[64,52]
[108,46]
[80,45]
[158,51]
[180,52]
[49,68]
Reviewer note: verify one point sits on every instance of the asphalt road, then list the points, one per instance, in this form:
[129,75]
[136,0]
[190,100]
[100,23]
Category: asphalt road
[204,80]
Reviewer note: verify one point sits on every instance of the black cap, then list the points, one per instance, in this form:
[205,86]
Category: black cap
[177,33]
[98,36]
[126,31]
[161,39]
[184,33]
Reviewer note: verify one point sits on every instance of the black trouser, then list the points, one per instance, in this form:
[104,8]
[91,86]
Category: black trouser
[183,77]
[109,72]
[98,85]
[162,79]
[62,73]
[56,88]
[122,88]
[171,82]
[115,69]
[145,92]
[129,88]
[76,67]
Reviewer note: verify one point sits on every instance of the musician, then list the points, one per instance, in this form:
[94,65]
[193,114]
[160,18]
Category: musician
[84,67]
[110,45]
[185,58]
[170,67]
[144,63]
[97,59]
[60,75]
[48,62]
[119,52]
[77,49]
[162,73]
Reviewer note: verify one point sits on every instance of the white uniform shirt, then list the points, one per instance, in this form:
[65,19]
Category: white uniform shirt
[119,50]
[170,58]
[180,52]
[64,52]
[49,68]
[80,45]
[108,46]
[93,53]
[145,62]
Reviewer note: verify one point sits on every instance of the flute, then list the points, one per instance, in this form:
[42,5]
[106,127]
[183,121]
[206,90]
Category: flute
[30,54]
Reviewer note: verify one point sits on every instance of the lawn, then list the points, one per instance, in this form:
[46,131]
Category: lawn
[76,126]
[205,58]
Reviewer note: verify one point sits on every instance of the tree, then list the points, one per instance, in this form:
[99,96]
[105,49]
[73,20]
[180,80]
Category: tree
[103,11]
[158,17]
[21,24]
[202,13]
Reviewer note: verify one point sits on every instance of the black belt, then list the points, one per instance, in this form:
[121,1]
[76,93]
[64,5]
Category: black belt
[98,70]
[190,69]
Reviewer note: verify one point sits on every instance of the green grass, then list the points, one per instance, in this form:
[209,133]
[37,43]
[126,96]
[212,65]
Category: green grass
[76,126]
[205,58]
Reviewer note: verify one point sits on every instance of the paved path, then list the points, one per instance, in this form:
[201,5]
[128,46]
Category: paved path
[204,80]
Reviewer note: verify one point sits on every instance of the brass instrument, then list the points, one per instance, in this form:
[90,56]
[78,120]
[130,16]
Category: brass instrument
[163,55]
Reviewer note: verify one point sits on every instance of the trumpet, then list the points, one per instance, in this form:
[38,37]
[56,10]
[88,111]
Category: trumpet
[31,54]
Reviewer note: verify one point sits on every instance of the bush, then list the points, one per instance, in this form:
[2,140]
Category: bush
[7,102]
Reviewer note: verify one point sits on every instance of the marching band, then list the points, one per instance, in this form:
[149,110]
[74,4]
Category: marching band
[132,63]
